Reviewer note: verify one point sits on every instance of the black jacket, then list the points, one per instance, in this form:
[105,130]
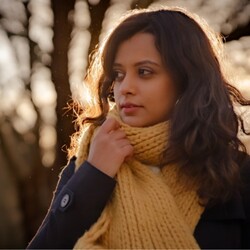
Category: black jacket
[80,198]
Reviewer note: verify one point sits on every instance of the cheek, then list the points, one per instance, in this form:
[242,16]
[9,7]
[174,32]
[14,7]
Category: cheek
[116,97]
[164,96]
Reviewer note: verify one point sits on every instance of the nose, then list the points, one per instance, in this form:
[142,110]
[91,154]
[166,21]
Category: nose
[127,86]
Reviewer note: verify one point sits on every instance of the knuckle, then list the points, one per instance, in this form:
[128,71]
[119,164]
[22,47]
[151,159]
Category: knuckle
[122,133]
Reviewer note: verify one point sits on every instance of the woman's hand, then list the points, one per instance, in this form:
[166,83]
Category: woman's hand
[109,148]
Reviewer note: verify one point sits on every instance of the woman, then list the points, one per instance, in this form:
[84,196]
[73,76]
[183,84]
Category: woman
[159,164]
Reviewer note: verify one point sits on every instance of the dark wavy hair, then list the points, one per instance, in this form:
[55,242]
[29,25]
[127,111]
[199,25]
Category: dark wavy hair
[203,136]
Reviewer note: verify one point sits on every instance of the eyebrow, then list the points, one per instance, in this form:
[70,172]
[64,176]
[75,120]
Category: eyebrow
[140,63]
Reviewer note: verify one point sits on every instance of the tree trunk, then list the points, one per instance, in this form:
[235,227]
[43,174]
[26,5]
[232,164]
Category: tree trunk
[59,69]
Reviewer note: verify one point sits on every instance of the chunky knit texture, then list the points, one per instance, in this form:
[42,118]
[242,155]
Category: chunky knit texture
[147,210]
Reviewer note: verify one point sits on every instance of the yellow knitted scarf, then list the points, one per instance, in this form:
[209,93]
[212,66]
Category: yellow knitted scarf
[148,210]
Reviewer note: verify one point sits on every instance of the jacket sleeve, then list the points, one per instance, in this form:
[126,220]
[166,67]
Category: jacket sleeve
[78,202]
[246,201]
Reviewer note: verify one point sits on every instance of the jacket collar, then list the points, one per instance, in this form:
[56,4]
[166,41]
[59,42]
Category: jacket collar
[233,209]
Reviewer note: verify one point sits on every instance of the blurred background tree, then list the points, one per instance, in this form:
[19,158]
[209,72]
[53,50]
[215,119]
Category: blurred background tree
[44,52]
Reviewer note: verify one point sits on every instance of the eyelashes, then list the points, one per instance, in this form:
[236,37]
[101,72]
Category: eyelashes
[119,75]
[145,72]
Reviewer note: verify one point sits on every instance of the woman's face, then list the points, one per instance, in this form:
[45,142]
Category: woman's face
[143,89]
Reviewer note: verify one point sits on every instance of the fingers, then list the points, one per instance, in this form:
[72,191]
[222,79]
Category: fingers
[118,134]
[109,125]
[109,148]
[125,146]
[128,151]
[112,127]
[121,143]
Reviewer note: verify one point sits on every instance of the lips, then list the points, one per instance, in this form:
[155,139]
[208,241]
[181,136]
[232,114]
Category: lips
[129,105]
[129,109]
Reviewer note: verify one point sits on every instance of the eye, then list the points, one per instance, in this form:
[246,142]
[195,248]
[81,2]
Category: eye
[118,75]
[145,72]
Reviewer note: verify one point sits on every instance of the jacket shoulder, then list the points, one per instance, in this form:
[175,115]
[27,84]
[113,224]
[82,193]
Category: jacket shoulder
[245,185]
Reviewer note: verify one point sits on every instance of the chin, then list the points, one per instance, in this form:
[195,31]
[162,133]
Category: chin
[134,121]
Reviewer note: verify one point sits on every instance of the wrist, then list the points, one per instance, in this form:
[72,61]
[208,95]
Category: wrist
[100,166]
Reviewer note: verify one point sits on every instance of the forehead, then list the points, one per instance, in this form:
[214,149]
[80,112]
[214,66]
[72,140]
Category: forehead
[139,47]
